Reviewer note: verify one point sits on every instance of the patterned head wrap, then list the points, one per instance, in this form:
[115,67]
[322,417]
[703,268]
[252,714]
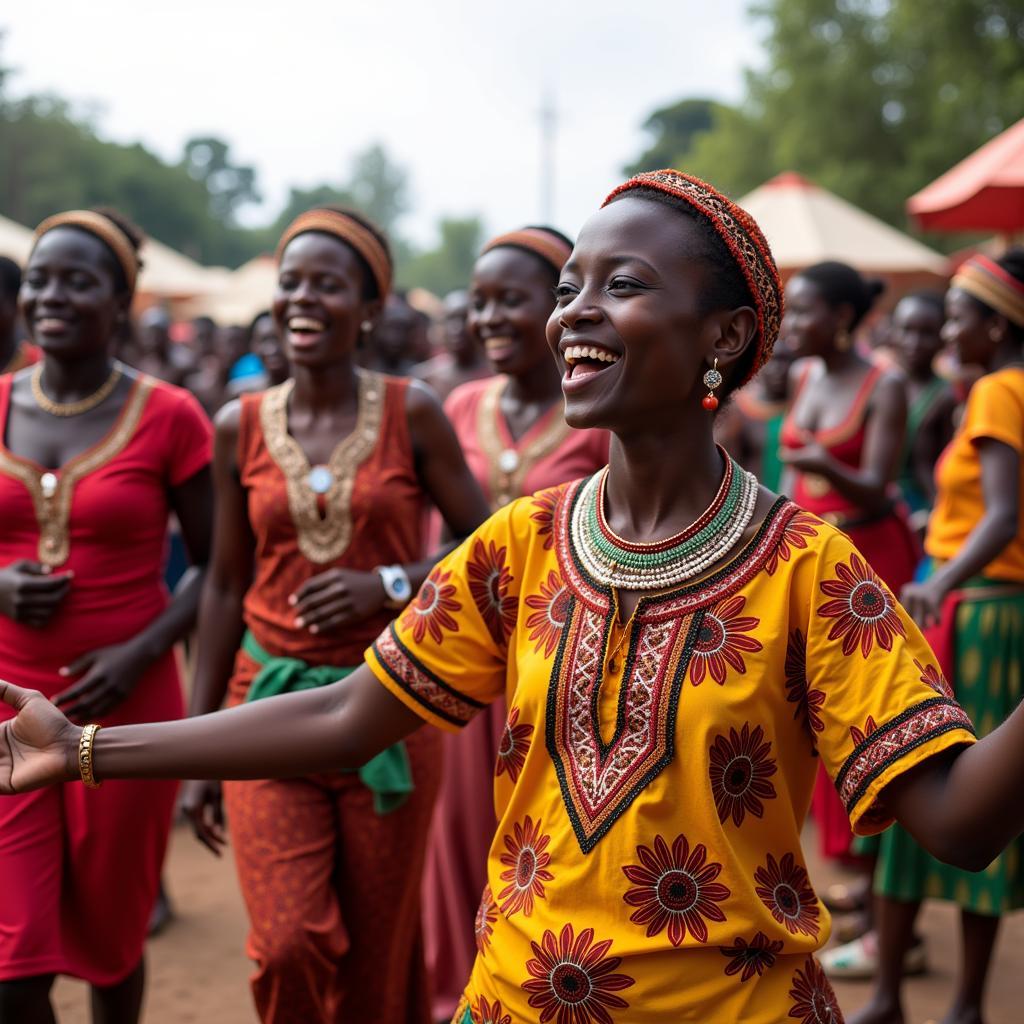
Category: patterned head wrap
[106,231]
[352,233]
[743,238]
[548,246]
[986,281]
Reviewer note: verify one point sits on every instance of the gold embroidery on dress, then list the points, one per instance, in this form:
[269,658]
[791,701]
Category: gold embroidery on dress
[322,538]
[507,484]
[52,490]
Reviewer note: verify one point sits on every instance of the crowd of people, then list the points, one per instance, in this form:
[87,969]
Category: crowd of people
[550,524]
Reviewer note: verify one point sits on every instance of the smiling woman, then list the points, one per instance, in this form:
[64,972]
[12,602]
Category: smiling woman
[93,458]
[321,487]
[620,866]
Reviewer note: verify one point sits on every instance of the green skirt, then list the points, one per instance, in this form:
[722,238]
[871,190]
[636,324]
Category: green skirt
[989,662]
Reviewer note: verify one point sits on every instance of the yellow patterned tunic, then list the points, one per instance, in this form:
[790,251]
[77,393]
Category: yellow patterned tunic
[654,778]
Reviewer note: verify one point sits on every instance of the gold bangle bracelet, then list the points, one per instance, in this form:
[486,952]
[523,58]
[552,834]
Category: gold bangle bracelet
[85,757]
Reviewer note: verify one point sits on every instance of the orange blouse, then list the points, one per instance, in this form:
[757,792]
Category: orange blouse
[995,409]
[371,516]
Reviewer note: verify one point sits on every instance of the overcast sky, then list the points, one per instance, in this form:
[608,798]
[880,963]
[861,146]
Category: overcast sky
[452,89]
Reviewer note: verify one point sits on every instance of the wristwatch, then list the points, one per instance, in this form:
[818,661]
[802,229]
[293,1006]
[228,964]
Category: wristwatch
[396,585]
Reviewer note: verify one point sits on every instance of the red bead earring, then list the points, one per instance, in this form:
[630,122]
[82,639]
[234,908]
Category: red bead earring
[712,379]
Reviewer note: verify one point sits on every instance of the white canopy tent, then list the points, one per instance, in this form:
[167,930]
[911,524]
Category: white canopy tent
[805,224]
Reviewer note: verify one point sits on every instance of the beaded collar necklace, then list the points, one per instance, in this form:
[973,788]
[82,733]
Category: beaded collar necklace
[616,562]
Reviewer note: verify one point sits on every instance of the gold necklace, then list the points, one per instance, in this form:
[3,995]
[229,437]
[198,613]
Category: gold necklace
[66,409]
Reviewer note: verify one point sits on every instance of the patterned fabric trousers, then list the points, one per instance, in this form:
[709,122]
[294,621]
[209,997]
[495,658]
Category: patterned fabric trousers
[333,894]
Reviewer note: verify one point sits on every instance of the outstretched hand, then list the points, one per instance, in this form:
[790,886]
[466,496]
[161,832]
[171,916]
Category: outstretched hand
[37,748]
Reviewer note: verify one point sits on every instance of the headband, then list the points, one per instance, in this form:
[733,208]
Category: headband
[106,231]
[352,233]
[743,238]
[550,248]
[986,281]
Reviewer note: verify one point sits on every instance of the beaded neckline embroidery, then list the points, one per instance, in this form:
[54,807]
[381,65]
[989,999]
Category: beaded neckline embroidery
[506,483]
[322,538]
[52,490]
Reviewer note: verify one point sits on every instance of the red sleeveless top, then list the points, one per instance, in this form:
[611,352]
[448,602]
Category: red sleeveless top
[844,442]
[372,514]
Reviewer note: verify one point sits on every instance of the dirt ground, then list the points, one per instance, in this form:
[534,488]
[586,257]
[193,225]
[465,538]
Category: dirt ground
[198,971]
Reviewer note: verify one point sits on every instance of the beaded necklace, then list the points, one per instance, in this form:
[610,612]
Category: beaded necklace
[616,562]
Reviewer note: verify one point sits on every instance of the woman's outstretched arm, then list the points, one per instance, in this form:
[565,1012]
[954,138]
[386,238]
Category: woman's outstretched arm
[334,728]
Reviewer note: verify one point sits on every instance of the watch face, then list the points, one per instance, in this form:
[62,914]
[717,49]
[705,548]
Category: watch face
[401,587]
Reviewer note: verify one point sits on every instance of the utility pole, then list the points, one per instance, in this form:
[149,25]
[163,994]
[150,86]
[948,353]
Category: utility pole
[548,137]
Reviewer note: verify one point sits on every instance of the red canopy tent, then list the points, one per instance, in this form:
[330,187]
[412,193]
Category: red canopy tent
[984,192]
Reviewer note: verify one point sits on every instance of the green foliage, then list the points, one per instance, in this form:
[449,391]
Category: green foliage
[674,129]
[450,264]
[869,98]
[228,185]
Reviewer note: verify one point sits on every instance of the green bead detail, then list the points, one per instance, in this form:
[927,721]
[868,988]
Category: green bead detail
[612,553]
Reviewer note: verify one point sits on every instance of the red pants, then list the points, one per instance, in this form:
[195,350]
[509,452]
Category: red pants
[332,891]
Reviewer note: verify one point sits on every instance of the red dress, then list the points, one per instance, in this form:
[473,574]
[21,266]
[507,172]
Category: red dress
[886,541]
[332,888]
[80,868]
[549,453]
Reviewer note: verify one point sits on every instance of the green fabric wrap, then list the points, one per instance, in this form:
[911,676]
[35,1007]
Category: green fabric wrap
[388,775]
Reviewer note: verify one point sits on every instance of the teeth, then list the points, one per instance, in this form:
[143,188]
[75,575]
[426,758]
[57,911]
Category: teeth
[574,353]
[304,323]
[496,343]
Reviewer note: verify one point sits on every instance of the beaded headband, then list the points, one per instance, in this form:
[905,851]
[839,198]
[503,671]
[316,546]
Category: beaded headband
[106,231]
[742,236]
[548,247]
[333,222]
[989,283]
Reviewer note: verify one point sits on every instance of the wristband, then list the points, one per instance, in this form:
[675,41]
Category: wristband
[85,765]
[396,585]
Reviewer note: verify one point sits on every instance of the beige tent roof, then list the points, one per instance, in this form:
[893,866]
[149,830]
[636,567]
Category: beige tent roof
[15,240]
[165,273]
[239,294]
[805,224]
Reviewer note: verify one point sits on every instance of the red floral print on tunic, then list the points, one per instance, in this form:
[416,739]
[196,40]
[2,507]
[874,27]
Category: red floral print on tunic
[486,915]
[550,610]
[720,641]
[515,740]
[808,701]
[544,505]
[814,1002]
[751,957]
[864,611]
[572,980]
[432,610]
[859,735]
[675,888]
[932,677]
[526,860]
[489,582]
[489,1013]
[800,528]
[739,771]
[784,889]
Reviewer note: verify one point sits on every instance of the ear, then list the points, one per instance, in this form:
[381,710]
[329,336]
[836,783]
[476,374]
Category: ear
[736,331]
[123,305]
[370,309]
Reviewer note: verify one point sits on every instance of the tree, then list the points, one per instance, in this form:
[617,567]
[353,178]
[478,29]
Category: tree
[674,129]
[229,185]
[379,188]
[450,264]
[869,98]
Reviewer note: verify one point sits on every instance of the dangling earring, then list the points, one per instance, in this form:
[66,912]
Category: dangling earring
[995,335]
[843,340]
[712,379]
[366,326]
